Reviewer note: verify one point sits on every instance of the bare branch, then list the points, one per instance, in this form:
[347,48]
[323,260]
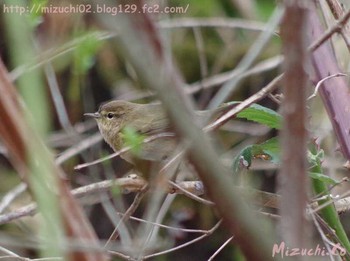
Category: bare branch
[338,27]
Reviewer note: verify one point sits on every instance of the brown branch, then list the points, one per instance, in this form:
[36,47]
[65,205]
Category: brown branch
[25,147]
[128,184]
[334,92]
[334,29]
[338,12]
[134,183]
[293,173]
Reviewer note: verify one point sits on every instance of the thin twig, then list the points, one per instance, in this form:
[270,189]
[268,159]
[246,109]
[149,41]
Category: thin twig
[212,22]
[253,52]
[330,31]
[58,102]
[52,54]
[185,244]
[190,194]
[8,252]
[128,213]
[338,12]
[341,202]
[203,63]
[220,248]
[120,255]
[81,146]
[70,46]
[186,230]
[322,81]
[124,150]
[246,103]
[131,183]
[218,79]
[326,241]
[11,196]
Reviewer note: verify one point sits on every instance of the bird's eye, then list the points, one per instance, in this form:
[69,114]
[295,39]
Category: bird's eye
[110,115]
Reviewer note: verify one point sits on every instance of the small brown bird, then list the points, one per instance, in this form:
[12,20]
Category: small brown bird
[145,119]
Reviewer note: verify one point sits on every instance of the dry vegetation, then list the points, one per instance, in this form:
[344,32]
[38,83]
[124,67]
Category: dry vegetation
[267,171]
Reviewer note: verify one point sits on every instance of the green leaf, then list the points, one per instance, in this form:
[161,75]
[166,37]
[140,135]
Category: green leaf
[324,178]
[269,150]
[85,53]
[133,139]
[315,158]
[243,159]
[263,115]
[328,213]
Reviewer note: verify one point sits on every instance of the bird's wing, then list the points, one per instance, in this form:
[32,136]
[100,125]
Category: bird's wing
[153,122]
[154,126]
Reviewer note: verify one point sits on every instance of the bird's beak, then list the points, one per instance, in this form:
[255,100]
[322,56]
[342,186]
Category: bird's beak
[95,115]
